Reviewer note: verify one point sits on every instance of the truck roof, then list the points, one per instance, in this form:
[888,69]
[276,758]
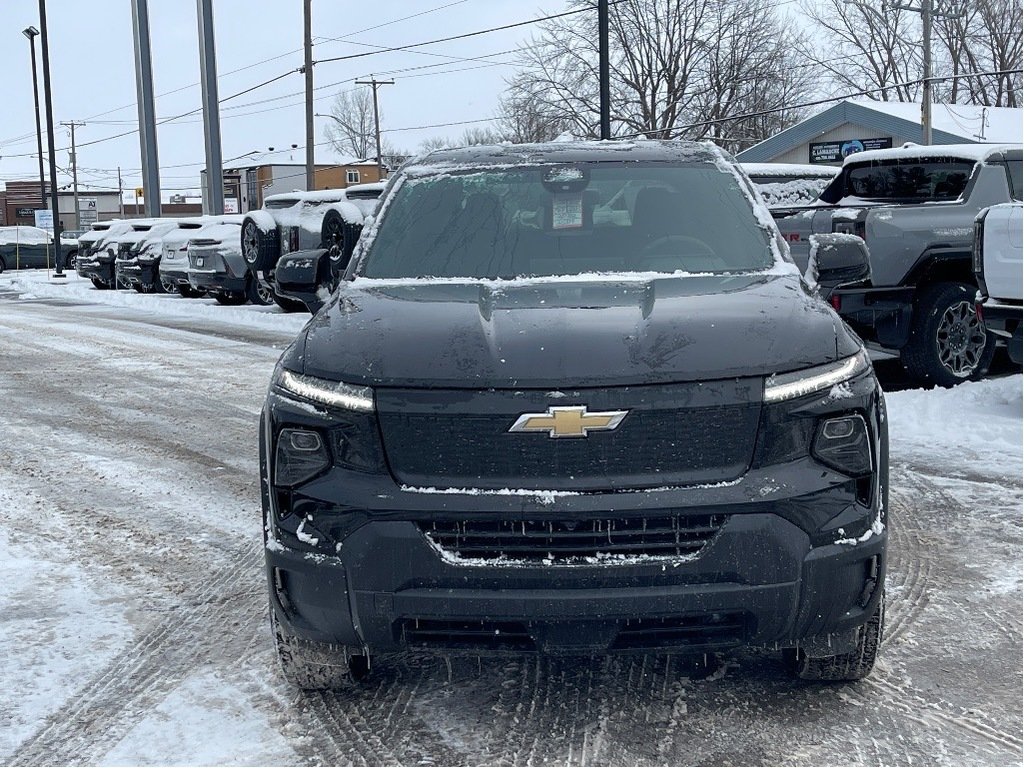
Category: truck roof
[572,152]
[972,152]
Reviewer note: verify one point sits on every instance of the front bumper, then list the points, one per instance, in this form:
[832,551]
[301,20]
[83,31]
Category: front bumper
[758,583]
[92,267]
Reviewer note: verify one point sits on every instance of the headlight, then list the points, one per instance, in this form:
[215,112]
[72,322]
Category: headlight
[843,444]
[301,454]
[786,386]
[335,394]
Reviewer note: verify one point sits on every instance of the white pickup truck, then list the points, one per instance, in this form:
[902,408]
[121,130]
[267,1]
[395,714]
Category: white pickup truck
[999,267]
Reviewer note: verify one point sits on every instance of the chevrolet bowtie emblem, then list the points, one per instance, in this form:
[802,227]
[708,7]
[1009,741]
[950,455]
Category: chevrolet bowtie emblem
[571,421]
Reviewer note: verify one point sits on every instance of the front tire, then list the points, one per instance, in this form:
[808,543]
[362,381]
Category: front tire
[99,284]
[70,260]
[314,666]
[844,667]
[948,342]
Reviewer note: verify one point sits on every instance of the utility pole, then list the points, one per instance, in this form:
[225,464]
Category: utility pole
[376,117]
[307,68]
[30,33]
[120,193]
[147,112]
[214,200]
[927,11]
[603,69]
[74,169]
[58,267]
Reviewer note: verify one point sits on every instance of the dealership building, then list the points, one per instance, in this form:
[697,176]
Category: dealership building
[856,125]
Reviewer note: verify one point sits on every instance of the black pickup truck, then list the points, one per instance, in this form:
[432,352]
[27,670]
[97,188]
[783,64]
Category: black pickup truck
[573,398]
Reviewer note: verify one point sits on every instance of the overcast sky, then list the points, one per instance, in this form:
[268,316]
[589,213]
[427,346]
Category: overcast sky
[93,77]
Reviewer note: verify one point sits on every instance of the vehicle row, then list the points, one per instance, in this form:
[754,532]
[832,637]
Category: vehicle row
[230,257]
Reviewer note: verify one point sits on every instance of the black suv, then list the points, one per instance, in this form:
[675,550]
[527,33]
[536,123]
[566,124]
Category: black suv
[574,398]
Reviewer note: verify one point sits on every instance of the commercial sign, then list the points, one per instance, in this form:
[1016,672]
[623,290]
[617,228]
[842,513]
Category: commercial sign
[44,219]
[230,205]
[87,213]
[836,151]
[24,213]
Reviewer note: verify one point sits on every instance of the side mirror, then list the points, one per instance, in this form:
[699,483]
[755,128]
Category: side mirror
[305,276]
[838,260]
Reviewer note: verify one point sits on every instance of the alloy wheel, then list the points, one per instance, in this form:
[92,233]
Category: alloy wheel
[960,339]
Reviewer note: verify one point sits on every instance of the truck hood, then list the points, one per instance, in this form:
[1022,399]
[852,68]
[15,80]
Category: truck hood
[558,333]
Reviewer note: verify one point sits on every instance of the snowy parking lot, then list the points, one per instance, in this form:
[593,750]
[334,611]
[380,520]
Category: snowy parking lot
[135,611]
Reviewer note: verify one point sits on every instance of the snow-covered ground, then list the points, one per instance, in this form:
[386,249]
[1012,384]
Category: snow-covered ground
[134,607]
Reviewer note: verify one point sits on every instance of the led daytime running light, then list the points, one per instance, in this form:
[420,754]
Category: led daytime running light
[333,393]
[789,385]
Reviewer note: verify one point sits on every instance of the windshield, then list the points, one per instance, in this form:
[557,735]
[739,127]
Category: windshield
[566,220]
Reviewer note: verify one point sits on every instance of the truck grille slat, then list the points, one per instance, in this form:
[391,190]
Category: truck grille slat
[547,540]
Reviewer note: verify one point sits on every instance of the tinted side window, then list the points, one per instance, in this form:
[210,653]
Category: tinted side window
[933,179]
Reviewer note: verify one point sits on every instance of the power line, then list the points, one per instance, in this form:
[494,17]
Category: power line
[464,35]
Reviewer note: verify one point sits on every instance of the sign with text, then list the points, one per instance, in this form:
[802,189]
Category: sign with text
[87,212]
[44,219]
[837,151]
[230,205]
[24,213]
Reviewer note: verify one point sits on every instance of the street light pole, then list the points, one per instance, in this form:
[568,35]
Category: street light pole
[30,33]
[374,82]
[58,267]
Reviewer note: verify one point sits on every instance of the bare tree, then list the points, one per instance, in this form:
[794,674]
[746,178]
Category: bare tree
[678,68]
[981,36]
[525,120]
[351,132]
[863,49]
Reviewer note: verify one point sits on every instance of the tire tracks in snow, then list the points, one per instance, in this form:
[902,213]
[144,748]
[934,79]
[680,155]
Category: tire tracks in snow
[140,676]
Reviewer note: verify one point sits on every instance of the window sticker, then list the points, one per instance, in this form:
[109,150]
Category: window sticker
[567,211]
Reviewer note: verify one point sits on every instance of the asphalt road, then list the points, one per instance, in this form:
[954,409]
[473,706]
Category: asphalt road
[135,439]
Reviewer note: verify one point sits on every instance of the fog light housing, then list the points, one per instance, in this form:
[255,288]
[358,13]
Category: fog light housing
[842,443]
[301,454]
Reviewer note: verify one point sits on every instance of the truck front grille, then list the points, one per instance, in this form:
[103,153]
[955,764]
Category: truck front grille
[574,541]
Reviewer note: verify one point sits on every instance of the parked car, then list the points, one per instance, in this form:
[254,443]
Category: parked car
[785,186]
[532,418]
[999,266]
[24,247]
[216,266]
[173,263]
[300,220]
[138,256]
[98,250]
[915,209]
